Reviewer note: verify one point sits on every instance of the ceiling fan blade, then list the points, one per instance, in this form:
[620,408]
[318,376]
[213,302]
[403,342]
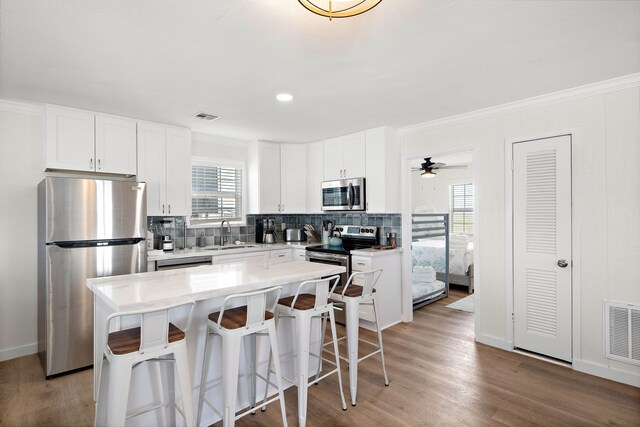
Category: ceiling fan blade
[453,167]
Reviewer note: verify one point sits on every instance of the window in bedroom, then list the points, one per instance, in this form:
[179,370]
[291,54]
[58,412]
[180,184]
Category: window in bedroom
[216,192]
[462,208]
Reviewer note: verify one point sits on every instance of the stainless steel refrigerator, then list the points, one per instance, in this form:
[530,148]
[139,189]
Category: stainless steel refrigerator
[86,228]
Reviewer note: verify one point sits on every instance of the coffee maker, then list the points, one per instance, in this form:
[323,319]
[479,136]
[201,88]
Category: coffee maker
[266,230]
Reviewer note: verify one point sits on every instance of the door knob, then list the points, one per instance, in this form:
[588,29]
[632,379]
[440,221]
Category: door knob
[562,263]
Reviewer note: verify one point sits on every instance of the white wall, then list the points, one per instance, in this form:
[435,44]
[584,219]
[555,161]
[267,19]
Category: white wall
[218,147]
[435,191]
[21,166]
[606,150]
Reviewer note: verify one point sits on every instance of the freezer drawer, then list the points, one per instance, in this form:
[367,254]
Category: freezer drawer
[67,312]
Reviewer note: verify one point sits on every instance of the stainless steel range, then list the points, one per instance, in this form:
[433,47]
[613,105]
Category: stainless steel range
[353,237]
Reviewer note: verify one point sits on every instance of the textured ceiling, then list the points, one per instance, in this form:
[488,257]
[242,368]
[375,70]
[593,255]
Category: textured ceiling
[404,62]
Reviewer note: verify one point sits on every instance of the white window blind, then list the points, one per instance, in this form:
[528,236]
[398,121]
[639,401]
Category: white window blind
[216,192]
[462,208]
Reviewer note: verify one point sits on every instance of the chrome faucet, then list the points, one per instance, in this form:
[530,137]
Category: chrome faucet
[223,238]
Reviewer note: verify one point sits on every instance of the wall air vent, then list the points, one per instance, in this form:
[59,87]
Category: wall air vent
[206,116]
[622,331]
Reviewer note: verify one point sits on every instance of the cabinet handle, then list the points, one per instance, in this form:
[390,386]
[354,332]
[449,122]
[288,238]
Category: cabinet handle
[169,207]
[367,205]
[91,164]
[282,208]
[278,208]
[99,164]
[163,208]
[281,256]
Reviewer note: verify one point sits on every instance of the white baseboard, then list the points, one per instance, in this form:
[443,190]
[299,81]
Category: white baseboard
[495,342]
[23,350]
[604,371]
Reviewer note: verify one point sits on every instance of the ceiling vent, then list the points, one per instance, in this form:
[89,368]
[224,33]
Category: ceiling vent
[206,116]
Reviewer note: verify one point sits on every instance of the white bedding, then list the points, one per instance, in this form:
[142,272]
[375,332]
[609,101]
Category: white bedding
[421,289]
[431,252]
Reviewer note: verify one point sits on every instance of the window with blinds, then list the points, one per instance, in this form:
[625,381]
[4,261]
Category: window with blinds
[216,193]
[462,208]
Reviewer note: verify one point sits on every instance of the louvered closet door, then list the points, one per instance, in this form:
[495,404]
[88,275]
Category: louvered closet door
[542,246]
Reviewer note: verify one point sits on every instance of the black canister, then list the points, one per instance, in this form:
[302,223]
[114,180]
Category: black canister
[259,231]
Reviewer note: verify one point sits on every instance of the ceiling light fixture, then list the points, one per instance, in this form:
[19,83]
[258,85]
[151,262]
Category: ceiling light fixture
[339,8]
[428,174]
[284,97]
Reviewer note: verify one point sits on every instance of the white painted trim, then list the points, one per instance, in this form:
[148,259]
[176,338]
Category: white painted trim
[593,89]
[22,350]
[575,237]
[20,107]
[603,371]
[495,342]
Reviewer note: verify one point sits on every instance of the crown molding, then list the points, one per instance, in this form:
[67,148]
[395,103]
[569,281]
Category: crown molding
[592,89]
[20,107]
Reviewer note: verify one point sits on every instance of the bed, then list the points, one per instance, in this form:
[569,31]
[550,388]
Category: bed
[438,259]
[432,252]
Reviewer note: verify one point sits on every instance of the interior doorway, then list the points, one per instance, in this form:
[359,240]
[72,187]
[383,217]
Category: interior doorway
[442,229]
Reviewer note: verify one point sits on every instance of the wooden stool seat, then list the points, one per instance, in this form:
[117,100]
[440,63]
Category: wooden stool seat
[128,340]
[234,318]
[353,291]
[304,301]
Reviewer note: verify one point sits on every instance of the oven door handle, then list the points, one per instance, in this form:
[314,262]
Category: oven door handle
[349,196]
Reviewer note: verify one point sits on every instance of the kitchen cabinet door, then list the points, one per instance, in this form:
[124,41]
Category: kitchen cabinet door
[178,171]
[269,167]
[382,171]
[115,145]
[354,152]
[293,164]
[315,176]
[333,159]
[70,139]
[152,166]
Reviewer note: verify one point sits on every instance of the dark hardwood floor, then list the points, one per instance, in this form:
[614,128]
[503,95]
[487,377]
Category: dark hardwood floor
[438,376]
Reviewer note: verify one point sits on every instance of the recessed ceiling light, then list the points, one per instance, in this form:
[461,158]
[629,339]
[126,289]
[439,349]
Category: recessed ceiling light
[284,97]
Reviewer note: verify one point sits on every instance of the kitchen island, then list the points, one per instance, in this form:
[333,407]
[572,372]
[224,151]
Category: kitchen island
[207,286]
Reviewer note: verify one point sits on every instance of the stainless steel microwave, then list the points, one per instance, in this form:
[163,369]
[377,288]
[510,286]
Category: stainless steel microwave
[344,195]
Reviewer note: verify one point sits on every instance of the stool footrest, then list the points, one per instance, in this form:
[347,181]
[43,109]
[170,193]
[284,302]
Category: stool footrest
[149,408]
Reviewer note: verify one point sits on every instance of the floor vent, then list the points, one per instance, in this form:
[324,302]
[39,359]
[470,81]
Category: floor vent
[622,324]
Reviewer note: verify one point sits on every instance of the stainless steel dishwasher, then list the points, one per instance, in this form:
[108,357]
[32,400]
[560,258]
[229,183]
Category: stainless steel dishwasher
[185,262]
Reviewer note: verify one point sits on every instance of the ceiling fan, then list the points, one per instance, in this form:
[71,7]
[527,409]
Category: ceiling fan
[428,168]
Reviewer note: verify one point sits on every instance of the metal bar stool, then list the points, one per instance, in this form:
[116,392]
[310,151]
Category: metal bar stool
[233,325]
[302,308]
[156,339]
[350,296]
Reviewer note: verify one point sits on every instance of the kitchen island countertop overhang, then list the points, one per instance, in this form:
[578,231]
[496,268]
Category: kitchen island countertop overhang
[157,288]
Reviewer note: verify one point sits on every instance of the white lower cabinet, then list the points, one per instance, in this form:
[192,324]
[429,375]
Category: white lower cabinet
[250,257]
[299,254]
[280,255]
[388,293]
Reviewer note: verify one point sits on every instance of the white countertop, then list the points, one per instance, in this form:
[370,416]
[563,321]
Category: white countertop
[375,252]
[157,255]
[157,288]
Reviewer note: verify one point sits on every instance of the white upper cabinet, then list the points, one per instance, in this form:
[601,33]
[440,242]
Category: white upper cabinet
[344,157]
[85,141]
[293,178]
[115,145]
[70,139]
[279,174]
[178,171]
[164,163]
[269,170]
[315,176]
[382,171]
